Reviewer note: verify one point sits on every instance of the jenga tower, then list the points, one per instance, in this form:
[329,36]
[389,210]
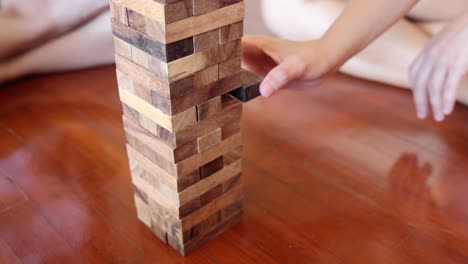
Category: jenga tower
[177,60]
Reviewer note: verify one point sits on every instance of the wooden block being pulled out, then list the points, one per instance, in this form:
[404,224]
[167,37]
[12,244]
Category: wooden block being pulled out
[250,88]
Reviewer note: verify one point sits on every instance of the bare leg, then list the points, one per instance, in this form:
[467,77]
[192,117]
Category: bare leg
[88,46]
[26,24]
[386,60]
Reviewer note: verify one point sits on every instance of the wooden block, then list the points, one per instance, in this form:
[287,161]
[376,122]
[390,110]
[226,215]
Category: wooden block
[232,209]
[190,207]
[211,195]
[178,26]
[211,167]
[155,29]
[187,181]
[209,108]
[199,24]
[122,48]
[205,93]
[232,183]
[201,228]
[202,186]
[201,7]
[140,57]
[188,65]
[167,12]
[136,21]
[200,159]
[231,32]
[143,212]
[229,67]
[205,41]
[147,8]
[133,130]
[199,94]
[164,52]
[170,123]
[230,114]
[209,140]
[230,50]
[118,12]
[152,155]
[163,176]
[208,161]
[201,214]
[250,88]
[144,77]
[210,234]
[125,82]
[230,130]
[178,10]
[166,219]
[142,92]
[206,76]
[221,119]
[149,184]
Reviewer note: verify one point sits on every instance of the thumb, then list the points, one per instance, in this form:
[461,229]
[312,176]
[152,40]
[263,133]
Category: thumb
[292,68]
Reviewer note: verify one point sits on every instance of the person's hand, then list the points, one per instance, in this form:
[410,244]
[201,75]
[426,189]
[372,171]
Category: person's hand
[437,72]
[281,62]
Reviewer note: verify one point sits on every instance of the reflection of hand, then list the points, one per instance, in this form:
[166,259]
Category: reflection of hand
[408,182]
[405,175]
[281,61]
[437,72]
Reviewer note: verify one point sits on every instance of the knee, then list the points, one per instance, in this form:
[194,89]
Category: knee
[302,19]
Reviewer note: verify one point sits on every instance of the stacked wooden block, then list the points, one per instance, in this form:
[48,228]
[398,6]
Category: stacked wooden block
[177,61]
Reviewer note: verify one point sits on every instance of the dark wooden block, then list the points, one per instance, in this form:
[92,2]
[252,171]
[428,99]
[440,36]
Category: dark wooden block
[163,52]
[250,88]
[211,167]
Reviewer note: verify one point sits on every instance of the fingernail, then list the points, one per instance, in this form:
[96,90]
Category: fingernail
[439,117]
[265,90]
[421,115]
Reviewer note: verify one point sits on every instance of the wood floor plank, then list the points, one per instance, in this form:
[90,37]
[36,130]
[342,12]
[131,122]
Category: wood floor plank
[325,178]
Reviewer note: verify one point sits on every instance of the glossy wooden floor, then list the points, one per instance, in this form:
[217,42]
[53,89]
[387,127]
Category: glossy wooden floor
[342,173]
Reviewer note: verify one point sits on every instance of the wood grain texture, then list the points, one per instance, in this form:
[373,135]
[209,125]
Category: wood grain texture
[198,160]
[144,77]
[209,140]
[147,8]
[211,208]
[199,24]
[136,21]
[354,184]
[174,155]
[227,116]
[170,123]
[205,41]
[201,7]
[209,108]
[229,67]
[250,88]
[123,48]
[231,32]
[227,173]
[119,13]
[164,52]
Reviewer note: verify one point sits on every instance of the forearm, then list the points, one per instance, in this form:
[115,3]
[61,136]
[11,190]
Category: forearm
[361,23]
